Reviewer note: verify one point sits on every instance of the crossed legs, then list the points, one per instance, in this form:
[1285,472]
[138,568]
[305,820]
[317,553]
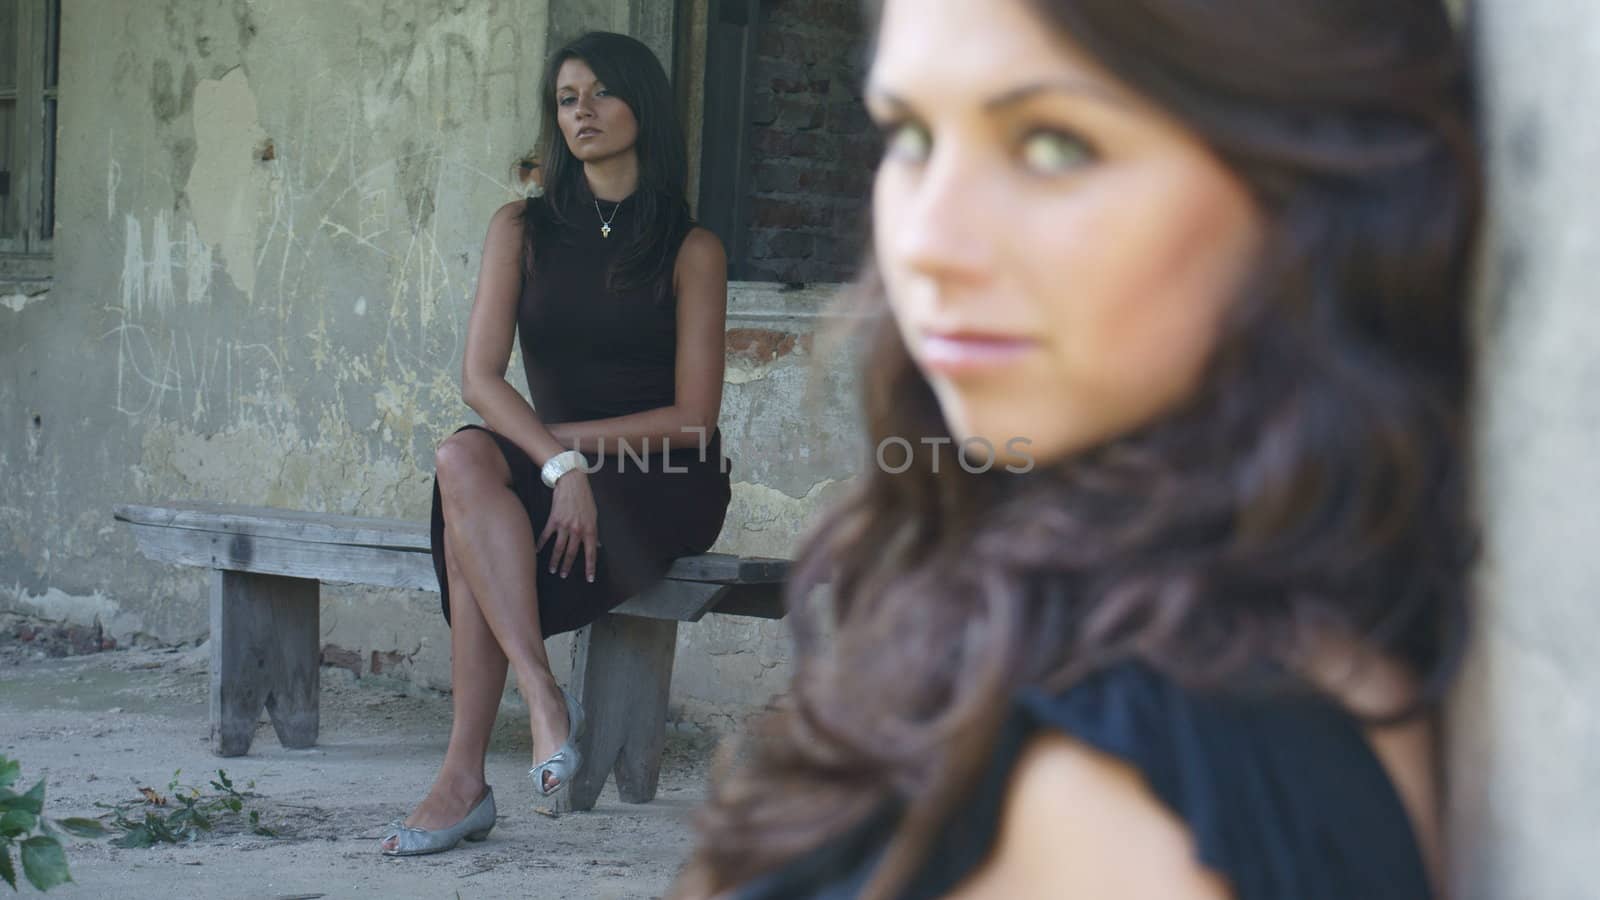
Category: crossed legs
[490,562]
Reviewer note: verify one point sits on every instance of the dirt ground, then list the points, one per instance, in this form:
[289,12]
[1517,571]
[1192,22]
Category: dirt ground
[103,725]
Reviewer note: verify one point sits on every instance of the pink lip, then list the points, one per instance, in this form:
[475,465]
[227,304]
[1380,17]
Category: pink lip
[588,133]
[965,352]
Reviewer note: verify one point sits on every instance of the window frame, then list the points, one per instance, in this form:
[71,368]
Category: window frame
[34,140]
[724,164]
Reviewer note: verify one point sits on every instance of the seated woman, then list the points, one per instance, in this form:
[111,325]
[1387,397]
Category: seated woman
[554,513]
[1172,314]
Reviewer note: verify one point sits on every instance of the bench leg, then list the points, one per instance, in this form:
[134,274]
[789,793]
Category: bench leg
[622,672]
[264,640]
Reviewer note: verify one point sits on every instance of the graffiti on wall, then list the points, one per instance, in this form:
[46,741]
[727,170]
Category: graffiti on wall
[450,62]
[364,199]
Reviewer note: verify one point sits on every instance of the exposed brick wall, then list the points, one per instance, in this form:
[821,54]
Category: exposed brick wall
[812,147]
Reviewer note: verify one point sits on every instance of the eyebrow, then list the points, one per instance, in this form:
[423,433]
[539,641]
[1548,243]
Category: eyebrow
[1075,86]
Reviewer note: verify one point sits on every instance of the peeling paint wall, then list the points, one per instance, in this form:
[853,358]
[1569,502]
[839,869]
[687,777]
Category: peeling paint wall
[270,219]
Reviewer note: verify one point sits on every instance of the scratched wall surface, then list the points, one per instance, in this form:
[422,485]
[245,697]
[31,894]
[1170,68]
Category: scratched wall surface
[270,219]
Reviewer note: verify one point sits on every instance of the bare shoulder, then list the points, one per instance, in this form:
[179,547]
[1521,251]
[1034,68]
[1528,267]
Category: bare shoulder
[502,246]
[701,252]
[1080,823]
[508,218]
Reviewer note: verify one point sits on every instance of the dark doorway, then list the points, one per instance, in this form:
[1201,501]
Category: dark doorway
[787,152]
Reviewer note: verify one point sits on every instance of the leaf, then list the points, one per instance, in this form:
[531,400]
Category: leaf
[188,818]
[33,800]
[17,822]
[138,836]
[226,781]
[10,771]
[85,828]
[257,827]
[6,870]
[44,863]
[161,832]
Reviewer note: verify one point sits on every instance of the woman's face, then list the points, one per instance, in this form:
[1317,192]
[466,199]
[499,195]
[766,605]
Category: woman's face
[597,124]
[1057,251]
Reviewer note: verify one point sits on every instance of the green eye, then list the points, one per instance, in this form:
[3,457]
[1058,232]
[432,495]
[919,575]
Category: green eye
[907,141]
[1052,152]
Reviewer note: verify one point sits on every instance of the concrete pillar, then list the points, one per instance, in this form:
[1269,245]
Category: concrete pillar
[1524,749]
[654,21]
[651,21]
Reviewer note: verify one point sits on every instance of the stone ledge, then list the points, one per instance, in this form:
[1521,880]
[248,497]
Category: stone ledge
[783,307]
[25,268]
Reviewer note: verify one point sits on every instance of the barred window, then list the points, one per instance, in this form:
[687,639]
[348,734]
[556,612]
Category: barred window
[29,66]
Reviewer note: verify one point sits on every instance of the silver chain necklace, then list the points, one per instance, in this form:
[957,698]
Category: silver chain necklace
[605,223]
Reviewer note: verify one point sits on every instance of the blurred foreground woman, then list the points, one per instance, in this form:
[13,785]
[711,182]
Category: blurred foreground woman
[1171,316]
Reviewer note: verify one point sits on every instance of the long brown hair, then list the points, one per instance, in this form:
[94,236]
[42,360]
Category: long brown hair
[1314,484]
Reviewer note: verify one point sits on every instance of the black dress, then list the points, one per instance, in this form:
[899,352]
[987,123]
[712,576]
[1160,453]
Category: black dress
[594,353]
[1281,792]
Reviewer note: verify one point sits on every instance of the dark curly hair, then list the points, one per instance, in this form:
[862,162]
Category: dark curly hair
[1314,484]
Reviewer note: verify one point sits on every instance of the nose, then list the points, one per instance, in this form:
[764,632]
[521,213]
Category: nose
[946,227]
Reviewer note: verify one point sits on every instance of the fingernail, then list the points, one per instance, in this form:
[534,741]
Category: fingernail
[591,579]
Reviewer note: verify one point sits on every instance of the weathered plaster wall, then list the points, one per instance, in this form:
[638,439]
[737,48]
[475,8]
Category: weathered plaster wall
[1525,725]
[270,224]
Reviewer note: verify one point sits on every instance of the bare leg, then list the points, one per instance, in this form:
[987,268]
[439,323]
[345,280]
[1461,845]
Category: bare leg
[477,679]
[493,541]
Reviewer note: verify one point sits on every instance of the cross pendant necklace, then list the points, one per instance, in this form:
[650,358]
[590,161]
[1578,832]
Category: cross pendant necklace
[605,223]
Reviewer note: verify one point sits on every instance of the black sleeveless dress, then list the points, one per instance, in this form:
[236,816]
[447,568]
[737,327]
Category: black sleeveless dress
[593,353]
[1281,791]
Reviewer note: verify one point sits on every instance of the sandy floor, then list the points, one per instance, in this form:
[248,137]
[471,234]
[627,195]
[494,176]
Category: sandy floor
[102,726]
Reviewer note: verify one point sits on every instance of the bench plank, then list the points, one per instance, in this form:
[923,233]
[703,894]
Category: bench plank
[262,521]
[723,568]
[254,554]
[284,542]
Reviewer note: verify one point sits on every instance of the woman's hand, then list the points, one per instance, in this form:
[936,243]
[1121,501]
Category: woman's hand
[573,524]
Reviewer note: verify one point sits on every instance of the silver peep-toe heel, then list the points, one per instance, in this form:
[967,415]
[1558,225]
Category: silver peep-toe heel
[475,826]
[565,762]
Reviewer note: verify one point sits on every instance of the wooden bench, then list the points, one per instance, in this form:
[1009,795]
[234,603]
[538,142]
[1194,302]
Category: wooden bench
[266,566]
